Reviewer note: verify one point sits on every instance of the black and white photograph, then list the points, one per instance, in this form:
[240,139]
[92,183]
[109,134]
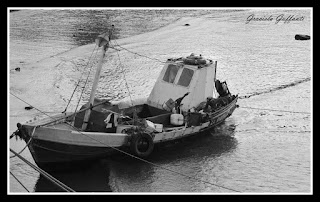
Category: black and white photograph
[159,100]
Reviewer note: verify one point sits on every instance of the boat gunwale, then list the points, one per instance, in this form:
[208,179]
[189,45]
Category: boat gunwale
[220,113]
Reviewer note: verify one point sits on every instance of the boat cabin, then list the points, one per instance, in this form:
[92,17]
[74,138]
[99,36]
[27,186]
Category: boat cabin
[195,76]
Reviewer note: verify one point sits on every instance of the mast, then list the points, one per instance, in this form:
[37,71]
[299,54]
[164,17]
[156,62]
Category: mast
[102,40]
[214,80]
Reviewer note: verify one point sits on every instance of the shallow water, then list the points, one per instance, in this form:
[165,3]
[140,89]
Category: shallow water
[253,151]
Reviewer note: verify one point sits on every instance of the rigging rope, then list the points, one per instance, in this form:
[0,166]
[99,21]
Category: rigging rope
[19,181]
[124,75]
[45,174]
[136,53]
[83,88]
[127,86]
[79,80]
[126,153]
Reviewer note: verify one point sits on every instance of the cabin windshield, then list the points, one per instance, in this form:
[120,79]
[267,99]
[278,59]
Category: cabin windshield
[171,73]
[185,77]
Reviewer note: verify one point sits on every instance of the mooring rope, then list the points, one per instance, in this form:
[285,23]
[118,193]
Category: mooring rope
[34,128]
[276,110]
[30,105]
[274,130]
[45,174]
[294,83]
[138,158]
[19,182]
[14,133]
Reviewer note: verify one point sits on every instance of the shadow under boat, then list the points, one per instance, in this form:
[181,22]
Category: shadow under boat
[92,178]
[214,141]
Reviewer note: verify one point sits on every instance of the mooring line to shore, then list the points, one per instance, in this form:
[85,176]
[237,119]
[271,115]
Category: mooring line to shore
[274,131]
[278,110]
[19,182]
[26,144]
[276,88]
[128,154]
[31,105]
[45,174]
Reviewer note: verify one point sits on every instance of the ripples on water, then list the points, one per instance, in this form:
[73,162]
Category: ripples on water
[252,151]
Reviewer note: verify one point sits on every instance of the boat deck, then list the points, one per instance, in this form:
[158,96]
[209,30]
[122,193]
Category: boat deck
[58,121]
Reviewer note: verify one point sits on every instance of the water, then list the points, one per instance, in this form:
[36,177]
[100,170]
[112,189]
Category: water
[253,151]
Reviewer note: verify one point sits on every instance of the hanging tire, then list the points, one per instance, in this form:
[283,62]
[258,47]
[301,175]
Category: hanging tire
[141,145]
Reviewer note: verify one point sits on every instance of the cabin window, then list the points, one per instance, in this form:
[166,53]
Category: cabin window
[171,73]
[185,77]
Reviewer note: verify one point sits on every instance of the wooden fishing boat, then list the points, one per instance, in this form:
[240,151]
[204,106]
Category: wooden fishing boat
[185,100]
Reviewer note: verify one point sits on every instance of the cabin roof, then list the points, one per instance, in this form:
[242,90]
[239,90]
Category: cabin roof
[198,63]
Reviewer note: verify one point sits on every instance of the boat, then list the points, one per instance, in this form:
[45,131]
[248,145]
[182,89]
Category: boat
[186,100]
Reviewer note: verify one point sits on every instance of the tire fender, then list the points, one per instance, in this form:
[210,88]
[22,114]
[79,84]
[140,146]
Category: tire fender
[137,140]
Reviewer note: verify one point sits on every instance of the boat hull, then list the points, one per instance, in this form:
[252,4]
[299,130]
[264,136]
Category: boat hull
[58,156]
[52,149]
[62,146]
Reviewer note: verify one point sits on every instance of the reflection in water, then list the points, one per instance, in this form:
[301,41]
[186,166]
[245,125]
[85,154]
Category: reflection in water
[186,156]
[92,179]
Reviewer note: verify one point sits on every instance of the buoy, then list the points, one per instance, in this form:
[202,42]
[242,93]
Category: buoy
[176,119]
[17,69]
[301,37]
